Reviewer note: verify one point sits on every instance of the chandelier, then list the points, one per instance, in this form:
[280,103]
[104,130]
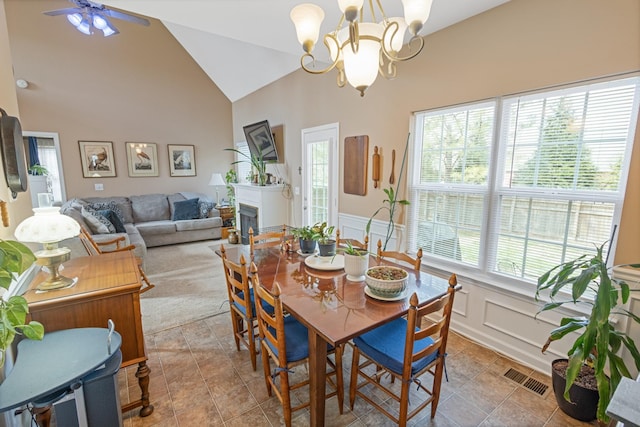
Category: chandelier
[361,50]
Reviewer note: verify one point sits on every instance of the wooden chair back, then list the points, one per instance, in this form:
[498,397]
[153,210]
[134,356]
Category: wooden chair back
[401,256]
[437,328]
[242,309]
[355,243]
[266,240]
[273,336]
[116,244]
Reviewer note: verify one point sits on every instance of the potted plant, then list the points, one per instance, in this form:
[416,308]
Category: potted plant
[15,258]
[231,177]
[322,234]
[305,236]
[258,164]
[356,262]
[595,351]
[391,203]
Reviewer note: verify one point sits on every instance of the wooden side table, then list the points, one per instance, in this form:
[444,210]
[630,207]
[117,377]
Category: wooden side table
[108,287]
[227,213]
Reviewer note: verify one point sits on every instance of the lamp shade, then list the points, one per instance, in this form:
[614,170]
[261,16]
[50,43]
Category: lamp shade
[361,68]
[47,225]
[416,13]
[307,18]
[216,180]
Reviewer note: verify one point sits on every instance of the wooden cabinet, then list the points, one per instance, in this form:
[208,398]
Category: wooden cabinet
[107,287]
[227,213]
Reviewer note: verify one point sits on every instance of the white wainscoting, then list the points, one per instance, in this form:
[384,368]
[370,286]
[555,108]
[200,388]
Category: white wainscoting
[495,317]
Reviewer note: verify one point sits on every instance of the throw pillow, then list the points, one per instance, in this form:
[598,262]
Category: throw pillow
[185,209]
[205,208]
[114,219]
[97,223]
[100,206]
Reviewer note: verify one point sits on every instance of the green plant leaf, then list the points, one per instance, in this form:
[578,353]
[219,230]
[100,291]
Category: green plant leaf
[34,330]
[575,363]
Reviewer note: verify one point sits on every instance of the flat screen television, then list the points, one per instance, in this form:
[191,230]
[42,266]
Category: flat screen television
[260,139]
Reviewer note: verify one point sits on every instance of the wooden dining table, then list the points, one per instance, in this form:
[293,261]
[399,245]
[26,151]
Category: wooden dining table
[333,309]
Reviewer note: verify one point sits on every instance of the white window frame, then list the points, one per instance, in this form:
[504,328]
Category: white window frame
[490,228]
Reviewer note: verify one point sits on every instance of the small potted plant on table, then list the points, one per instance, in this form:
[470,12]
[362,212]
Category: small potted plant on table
[305,236]
[356,262]
[595,351]
[322,234]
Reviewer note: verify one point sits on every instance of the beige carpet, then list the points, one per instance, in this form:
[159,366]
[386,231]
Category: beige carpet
[189,285]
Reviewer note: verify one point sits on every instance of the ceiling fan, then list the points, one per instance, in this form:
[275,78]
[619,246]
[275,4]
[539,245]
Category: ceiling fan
[87,15]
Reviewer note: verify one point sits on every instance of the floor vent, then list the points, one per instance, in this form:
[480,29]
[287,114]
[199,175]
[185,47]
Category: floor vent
[516,376]
[536,386]
[528,383]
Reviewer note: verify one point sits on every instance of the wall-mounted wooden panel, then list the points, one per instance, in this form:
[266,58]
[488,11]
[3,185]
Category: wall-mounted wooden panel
[356,151]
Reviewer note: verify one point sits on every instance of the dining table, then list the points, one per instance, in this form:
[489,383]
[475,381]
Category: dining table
[316,291]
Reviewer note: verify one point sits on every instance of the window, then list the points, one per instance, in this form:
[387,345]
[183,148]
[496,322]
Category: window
[518,185]
[243,168]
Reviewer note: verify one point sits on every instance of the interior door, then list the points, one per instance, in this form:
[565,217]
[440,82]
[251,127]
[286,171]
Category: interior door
[320,174]
[48,147]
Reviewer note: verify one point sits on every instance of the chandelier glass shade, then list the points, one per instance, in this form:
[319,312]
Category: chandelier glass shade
[91,19]
[361,50]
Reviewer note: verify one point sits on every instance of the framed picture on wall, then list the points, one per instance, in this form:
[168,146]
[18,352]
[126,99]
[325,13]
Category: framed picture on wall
[142,159]
[182,160]
[97,160]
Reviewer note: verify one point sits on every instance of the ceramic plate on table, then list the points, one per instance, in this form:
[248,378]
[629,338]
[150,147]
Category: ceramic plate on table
[402,295]
[325,262]
[304,253]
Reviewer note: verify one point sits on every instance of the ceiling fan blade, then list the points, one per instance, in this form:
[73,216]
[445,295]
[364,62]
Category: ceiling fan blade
[66,11]
[125,17]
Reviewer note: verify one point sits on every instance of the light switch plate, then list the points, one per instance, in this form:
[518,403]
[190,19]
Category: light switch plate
[98,187]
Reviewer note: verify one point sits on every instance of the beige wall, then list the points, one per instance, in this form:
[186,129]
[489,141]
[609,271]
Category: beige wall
[19,208]
[520,46]
[137,86]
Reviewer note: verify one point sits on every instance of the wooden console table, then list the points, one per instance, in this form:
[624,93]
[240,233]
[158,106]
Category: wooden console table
[108,287]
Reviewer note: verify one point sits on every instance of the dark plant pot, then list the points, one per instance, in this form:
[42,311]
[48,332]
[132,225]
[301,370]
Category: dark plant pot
[327,249]
[584,402]
[307,246]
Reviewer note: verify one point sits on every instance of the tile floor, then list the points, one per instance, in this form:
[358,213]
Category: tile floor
[199,379]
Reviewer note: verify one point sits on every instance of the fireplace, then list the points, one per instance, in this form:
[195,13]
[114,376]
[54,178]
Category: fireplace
[248,219]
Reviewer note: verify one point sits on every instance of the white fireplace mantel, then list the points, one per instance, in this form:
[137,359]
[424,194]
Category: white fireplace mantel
[272,205]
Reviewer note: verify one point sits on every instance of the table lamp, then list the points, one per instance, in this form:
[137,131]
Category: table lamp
[217,181]
[48,226]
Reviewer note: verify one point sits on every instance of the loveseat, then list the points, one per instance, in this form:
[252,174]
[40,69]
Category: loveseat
[147,220]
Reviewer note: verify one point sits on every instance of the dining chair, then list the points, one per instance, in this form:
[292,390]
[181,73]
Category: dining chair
[355,243]
[401,256]
[405,351]
[116,244]
[267,239]
[241,303]
[285,346]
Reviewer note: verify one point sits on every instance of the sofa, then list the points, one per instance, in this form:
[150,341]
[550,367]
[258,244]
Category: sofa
[146,220]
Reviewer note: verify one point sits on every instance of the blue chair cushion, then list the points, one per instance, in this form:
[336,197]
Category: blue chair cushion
[297,340]
[265,306]
[385,345]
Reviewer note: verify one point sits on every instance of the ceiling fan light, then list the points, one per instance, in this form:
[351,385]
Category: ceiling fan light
[109,31]
[99,22]
[75,19]
[307,18]
[84,27]
[416,13]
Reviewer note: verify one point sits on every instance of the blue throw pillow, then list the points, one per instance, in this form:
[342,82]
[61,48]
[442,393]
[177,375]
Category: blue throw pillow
[205,208]
[113,219]
[185,209]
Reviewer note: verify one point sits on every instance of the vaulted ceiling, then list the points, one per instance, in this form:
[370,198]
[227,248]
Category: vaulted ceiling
[244,45]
